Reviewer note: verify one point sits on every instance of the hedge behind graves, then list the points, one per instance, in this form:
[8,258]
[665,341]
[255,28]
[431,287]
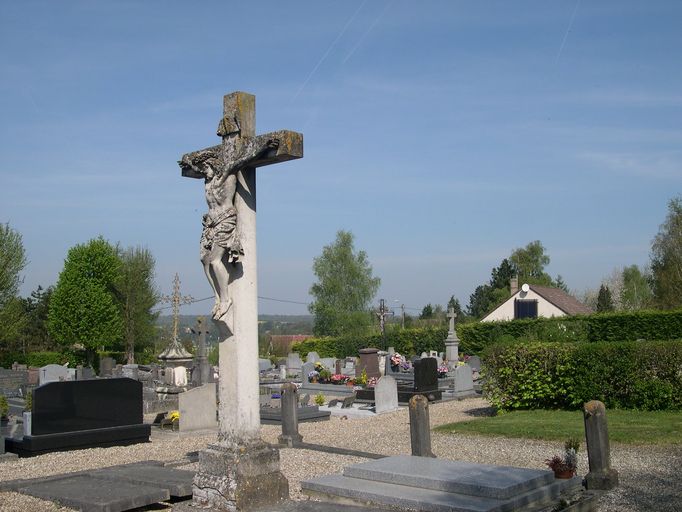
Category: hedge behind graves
[405,341]
[608,327]
[626,375]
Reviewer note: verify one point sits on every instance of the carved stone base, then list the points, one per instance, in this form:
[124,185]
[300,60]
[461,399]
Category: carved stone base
[239,478]
[602,480]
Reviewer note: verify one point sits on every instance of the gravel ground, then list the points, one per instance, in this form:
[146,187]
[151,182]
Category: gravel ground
[648,480]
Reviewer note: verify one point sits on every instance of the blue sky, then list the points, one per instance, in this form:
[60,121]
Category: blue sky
[442,134]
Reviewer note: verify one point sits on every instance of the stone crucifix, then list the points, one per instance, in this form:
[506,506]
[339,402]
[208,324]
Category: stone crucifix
[240,470]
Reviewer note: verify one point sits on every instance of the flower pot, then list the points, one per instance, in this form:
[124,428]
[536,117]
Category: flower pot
[565,474]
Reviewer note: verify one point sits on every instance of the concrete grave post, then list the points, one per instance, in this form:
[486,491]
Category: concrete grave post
[601,476]
[240,471]
[420,427]
[290,434]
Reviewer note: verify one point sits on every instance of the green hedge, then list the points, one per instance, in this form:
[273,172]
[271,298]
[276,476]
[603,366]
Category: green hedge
[405,341]
[38,359]
[626,375]
[611,327]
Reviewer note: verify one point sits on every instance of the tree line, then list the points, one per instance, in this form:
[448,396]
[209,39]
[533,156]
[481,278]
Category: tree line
[103,300]
[346,285]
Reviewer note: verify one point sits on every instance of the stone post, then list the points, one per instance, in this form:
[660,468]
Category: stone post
[289,400]
[601,475]
[420,427]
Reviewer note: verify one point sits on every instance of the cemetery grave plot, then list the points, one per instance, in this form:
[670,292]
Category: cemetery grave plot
[71,415]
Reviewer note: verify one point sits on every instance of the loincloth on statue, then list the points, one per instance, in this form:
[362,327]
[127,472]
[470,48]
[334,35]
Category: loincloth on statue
[220,229]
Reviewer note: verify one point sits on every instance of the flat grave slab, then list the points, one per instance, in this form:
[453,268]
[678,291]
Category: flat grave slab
[177,482]
[427,484]
[90,494]
[499,482]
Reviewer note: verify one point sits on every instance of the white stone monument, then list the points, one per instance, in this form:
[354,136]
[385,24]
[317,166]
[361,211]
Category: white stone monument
[452,341]
[240,470]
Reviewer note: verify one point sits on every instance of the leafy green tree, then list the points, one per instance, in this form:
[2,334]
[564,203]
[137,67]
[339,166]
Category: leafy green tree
[137,295]
[344,290]
[666,259]
[83,309]
[427,312]
[604,300]
[529,263]
[480,301]
[12,262]
[35,335]
[636,291]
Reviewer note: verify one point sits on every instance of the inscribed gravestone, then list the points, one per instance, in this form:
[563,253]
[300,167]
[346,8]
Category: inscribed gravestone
[312,357]
[426,375]
[386,395]
[198,408]
[53,373]
[264,365]
[294,361]
[369,361]
[475,363]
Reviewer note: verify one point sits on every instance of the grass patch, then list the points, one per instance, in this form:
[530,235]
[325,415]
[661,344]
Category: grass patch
[628,427]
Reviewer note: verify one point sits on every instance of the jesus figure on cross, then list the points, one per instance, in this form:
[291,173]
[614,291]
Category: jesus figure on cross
[220,246]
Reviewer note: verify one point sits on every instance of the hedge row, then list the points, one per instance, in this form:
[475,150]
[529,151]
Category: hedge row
[38,359]
[611,327]
[626,375]
[405,341]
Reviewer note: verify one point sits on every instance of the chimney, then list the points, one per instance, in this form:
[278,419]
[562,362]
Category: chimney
[514,285]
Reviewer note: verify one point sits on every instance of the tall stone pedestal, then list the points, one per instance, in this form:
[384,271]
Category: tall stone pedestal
[239,478]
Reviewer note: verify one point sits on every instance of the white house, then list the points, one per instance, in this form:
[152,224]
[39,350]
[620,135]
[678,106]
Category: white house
[533,301]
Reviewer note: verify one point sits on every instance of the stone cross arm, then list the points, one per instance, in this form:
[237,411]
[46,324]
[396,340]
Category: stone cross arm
[290,147]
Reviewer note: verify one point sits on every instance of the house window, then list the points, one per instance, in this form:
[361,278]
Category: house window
[525,308]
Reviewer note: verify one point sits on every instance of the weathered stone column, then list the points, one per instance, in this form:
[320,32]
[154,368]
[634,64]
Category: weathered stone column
[420,427]
[289,401]
[601,475]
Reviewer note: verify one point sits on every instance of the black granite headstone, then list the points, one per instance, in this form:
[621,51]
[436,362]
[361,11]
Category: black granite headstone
[84,405]
[426,375]
[70,415]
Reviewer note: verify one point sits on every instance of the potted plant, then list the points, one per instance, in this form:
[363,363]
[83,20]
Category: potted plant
[443,370]
[566,466]
[325,376]
[319,399]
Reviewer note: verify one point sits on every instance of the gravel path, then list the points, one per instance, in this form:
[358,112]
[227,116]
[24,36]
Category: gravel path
[647,474]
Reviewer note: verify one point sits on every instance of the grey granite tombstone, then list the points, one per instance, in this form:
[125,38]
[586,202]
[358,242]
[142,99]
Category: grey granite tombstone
[264,365]
[312,357]
[53,373]
[294,361]
[106,366]
[84,373]
[386,395]
[198,408]
[306,368]
[464,382]
[475,363]
[131,371]
[329,363]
